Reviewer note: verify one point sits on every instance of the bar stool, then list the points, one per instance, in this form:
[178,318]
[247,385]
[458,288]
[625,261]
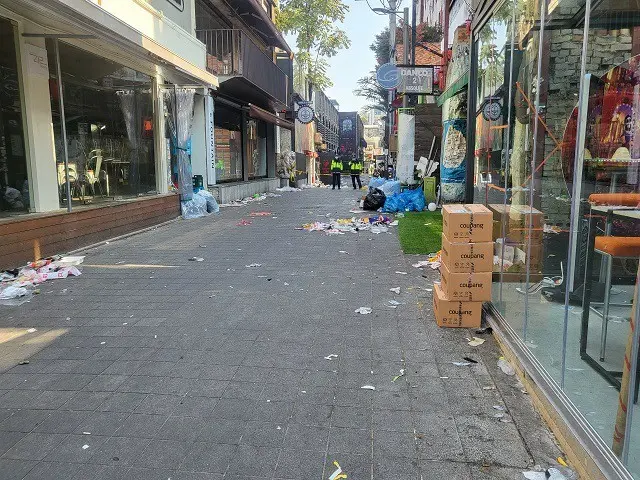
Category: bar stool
[611,248]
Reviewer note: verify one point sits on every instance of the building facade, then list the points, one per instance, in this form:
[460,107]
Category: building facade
[352,142]
[84,143]
[326,122]
[548,140]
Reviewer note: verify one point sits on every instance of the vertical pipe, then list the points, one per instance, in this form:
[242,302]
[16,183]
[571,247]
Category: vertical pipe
[63,123]
[392,47]
[543,16]
[413,30]
[575,201]
[405,49]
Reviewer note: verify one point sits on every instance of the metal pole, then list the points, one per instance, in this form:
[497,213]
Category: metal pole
[413,31]
[406,47]
[392,48]
[63,123]
[633,374]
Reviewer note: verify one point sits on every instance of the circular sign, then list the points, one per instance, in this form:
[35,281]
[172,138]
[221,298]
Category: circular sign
[492,111]
[305,114]
[388,76]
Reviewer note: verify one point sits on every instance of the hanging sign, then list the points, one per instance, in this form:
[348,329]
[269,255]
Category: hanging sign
[388,76]
[415,80]
[305,114]
[37,61]
[492,110]
[209,110]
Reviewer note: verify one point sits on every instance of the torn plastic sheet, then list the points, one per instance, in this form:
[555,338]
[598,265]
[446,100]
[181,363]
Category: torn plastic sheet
[506,367]
[395,290]
[461,364]
[367,387]
[394,303]
[364,310]
[331,356]
[549,474]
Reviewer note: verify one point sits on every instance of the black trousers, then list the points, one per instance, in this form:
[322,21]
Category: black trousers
[336,180]
[354,177]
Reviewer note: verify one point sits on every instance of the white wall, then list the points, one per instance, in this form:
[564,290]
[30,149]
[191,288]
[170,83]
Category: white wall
[198,140]
[185,17]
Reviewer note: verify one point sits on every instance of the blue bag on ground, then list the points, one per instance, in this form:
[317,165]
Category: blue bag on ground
[407,201]
[390,188]
[376,182]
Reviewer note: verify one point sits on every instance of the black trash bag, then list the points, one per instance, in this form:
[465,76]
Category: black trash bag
[374,200]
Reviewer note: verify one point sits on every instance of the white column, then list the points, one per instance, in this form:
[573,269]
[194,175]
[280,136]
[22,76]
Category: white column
[37,123]
[198,140]
[160,142]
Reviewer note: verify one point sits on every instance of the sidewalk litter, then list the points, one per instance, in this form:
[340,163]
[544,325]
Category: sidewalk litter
[395,290]
[475,341]
[18,286]
[337,474]
[364,310]
[253,265]
[401,374]
[243,223]
[260,214]
[254,198]
[506,367]
[376,224]
[331,356]
[367,387]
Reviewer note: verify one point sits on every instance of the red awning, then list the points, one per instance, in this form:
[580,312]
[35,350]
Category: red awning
[261,114]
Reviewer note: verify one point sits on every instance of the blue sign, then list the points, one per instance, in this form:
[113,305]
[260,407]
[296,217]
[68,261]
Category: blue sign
[388,76]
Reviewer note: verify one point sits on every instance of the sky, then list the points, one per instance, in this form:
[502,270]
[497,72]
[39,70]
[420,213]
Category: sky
[361,25]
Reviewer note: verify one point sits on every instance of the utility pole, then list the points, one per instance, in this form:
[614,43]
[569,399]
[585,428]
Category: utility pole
[406,47]
[392,49]
[413,31]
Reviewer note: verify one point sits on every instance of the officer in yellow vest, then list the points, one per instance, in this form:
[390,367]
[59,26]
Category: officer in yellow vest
[336,171]
[355,166]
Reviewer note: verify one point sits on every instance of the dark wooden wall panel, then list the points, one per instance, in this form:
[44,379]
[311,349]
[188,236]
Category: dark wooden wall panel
[22,238]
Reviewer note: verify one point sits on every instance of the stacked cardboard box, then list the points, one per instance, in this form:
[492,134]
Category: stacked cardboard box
[467,263]
[518,241]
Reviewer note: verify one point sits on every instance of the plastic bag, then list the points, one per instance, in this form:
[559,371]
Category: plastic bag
[194,208]
[391,187]
[409,200]
[376,182]
[374,200]
[212,204]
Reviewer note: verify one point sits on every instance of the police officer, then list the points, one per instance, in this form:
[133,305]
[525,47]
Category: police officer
[355,166]
[336,171]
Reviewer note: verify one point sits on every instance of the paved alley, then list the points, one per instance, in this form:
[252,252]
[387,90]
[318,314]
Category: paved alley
[152,366]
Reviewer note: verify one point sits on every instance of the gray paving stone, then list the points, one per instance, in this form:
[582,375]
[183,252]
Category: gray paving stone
[15,469]
[208,457]
[163,454]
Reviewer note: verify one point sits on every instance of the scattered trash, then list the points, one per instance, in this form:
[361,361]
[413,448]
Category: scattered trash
[364,310]
[24,362]
[375,224]
[203,246]
[498,415]
[330,356]
[549,474]
[253,265]
[102,343]
[394,303]
[398,376]
[243,223]
[343,251]
[278,427]
[86,433]
[84,447]
[401,273]
[470,360]
[196,259]
[394,223]
[499,408]
[288,189]
[421,263]
[489,388]
[368,387]
[32,330]
[476,342]
[337,474]
[357,210]
[485,330]
[461,364]
[561,461]
[395,290]
[260,214]
[506,367]
[409,200]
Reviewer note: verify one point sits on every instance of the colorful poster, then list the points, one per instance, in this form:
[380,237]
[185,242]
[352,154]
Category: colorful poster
[453,169]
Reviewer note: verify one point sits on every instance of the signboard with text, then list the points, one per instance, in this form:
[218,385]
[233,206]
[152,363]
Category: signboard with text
[416,80]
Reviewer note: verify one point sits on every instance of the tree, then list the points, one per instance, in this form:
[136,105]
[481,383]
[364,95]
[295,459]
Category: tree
[318,38]
[380,46]
[377,96]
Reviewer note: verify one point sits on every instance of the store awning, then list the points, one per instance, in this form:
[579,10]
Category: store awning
[455,88]
[261,114]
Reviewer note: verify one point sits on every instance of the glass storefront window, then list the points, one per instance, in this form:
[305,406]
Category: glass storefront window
[557,159]
[228,138]
[109,123]
[14,185]
[257,148]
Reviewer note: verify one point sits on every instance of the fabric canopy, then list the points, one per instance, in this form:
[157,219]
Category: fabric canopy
[261,114]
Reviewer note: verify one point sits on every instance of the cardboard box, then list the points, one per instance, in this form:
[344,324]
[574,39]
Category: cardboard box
[455,314]
[463,257]
[472,287]
[467,223]
[516,218]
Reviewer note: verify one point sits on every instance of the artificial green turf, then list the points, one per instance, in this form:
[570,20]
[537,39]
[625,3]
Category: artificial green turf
[420,232]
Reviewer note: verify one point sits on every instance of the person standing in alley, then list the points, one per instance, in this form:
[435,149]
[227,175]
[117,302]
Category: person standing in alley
[336,171]
[355,166]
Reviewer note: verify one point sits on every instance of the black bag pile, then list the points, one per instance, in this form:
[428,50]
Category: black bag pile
[374,200]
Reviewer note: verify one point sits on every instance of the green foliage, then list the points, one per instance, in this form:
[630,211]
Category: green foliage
[368,88]
[380,47]
[318,37]
[430,33]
